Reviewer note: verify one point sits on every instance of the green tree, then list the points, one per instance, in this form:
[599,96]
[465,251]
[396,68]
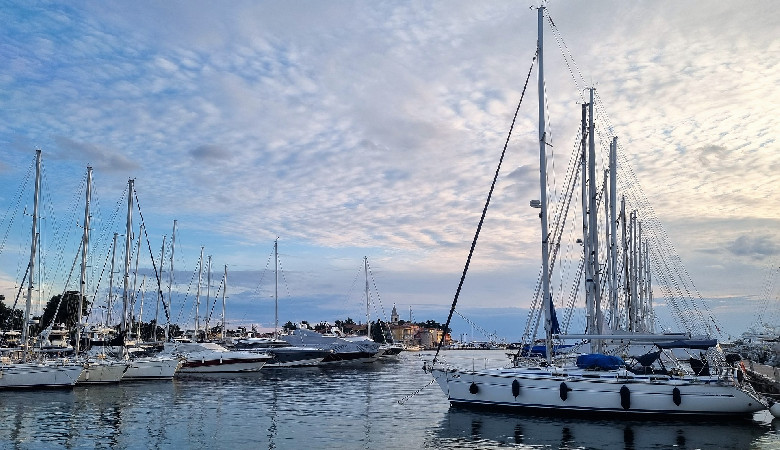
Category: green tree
[62,309]
[289,326]
[380,332]
[10,318]
[150,331]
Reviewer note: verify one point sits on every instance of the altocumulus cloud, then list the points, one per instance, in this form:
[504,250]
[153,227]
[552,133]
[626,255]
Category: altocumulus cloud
[755,247]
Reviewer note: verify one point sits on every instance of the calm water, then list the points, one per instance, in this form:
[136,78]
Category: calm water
[328,408]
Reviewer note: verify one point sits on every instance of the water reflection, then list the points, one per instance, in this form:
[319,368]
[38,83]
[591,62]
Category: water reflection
[468,428]
[345,408]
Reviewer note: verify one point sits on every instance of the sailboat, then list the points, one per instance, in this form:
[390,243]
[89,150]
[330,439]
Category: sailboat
[210,357]
[98,369]
[599,383]
[141,366]
[26,373]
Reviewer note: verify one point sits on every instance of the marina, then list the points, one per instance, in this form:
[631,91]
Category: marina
[344,130]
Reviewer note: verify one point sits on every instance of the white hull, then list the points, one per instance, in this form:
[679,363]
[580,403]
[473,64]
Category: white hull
[152,368]
[595,392]
[99,372]
[31,375]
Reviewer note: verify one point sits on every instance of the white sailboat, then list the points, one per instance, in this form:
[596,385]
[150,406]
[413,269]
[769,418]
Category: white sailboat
[100,369]
[210,357]
[597,383]
[25,374]
[146,367]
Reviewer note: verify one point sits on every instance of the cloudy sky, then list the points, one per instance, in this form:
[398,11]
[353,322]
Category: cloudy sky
[355,128]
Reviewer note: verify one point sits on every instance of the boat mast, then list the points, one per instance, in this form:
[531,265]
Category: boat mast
[626,284]
[224,293]
[159,292]
[613,233]
[589,305]
[368,311]
[607,240]
[84,247]
[134,295]
[630,271]
[141,308]
[546,297]
[197,296]
[276,288]
[208,294]
[33,249]
[650,317]
[595,285]
[128,244]
[170,281]
[111,283]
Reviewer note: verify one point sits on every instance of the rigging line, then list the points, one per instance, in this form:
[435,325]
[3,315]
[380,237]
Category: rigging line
[484,211]
[376,289]
[262,274]
[14,209]
[19,292]
[100,278]
[62,296]
[151,256]
[284,278]
[559,219]
[214,303]
[560,215]
[492,336]
[408,397]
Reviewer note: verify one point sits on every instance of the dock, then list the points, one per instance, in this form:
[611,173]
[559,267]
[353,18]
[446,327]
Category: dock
[765,379]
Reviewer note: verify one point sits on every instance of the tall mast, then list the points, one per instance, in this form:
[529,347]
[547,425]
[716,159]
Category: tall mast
[197,295]
[128,242]
[626,284]
[276,288]
[546,297]
[593,222]
[650,317]
[639,267]
[84,247]
[111,283]
[613,232]
[141,308]
[224,293]
[134,295]
[208,297]
[632,269]
[159,292]
[170,281]
[368,310]
[33,249]
[607,240]
[590,308]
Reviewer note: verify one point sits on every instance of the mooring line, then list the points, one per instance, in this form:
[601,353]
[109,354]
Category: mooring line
[409,397]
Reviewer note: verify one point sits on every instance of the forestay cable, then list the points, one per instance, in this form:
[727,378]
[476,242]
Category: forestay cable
[484,212]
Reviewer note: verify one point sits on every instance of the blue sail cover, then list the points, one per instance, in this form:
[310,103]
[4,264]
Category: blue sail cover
[541,350]
[599,361]
[556,328]
[697,344]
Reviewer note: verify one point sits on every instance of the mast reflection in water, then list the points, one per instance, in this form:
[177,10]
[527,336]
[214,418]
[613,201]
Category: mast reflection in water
[354,407]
